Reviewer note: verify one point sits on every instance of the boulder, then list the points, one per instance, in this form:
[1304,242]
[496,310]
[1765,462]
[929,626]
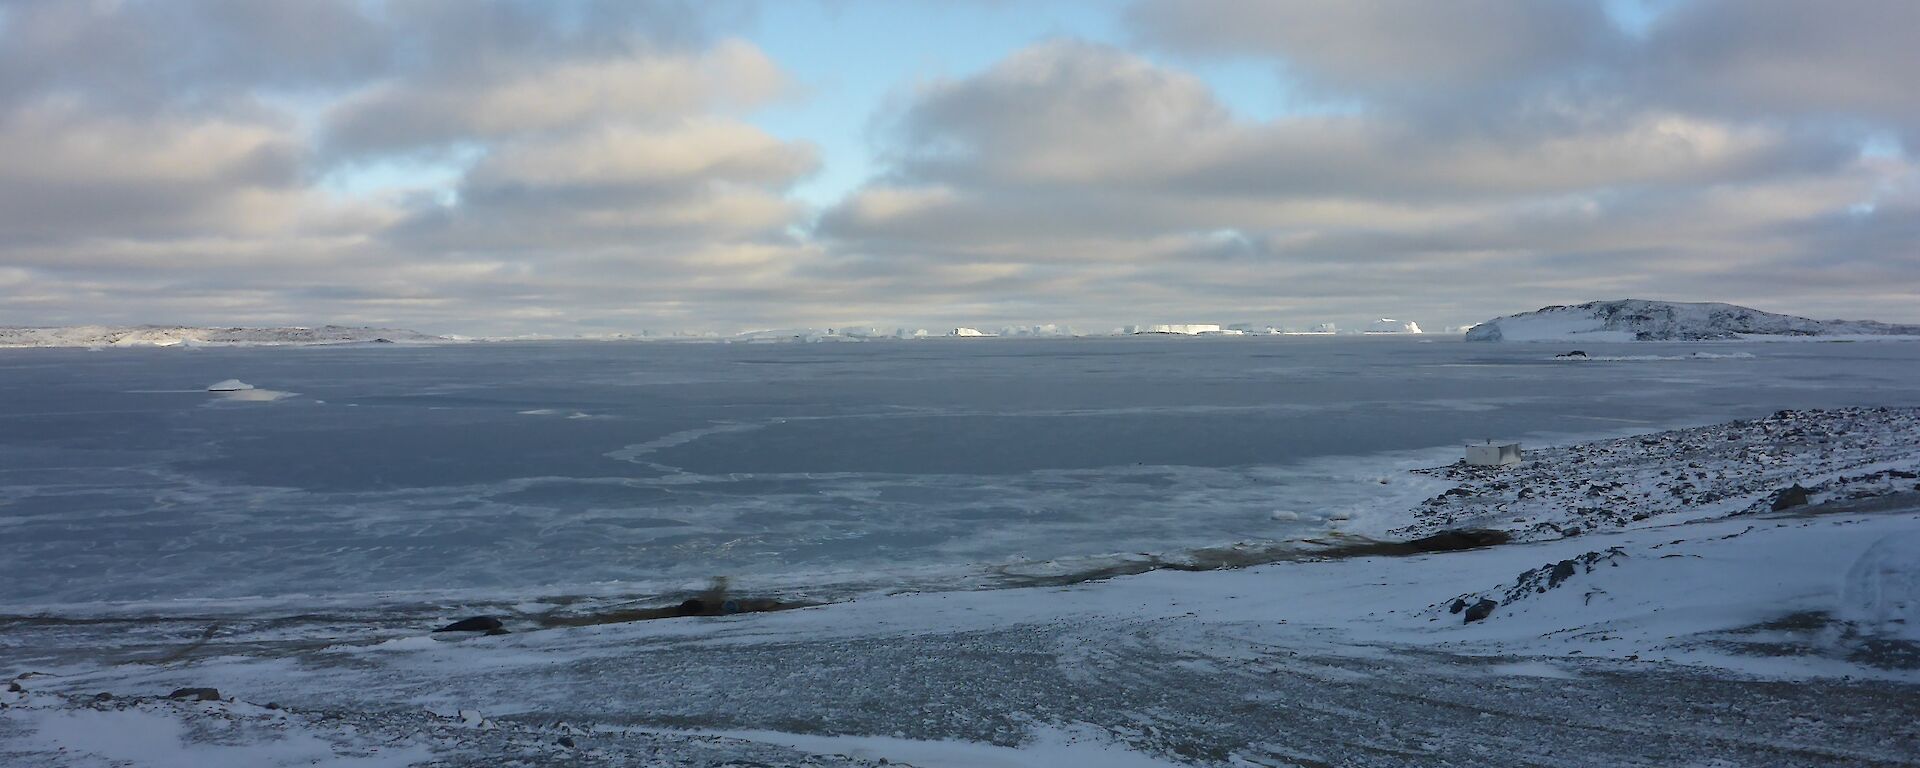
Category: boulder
[1794,496]
[1480,610]
[195,694]
[1562,571]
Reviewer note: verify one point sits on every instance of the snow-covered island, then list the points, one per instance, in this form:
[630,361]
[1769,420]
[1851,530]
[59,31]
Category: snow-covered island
[1643,320]
[86,336]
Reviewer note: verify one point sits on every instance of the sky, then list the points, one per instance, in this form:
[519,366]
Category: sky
[459,166]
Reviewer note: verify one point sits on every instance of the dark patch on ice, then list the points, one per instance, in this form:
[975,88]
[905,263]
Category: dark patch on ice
[1818,634]
[474,624]
[1332,547]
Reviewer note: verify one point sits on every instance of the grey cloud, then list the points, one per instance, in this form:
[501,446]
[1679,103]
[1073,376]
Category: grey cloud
[1395,46]
[144,53]
[1070,114]
[1478,62]
[1770,58]
[634,191]
[70,172]
[547,96]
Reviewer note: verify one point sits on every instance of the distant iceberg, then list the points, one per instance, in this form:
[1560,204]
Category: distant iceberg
[229,385]
[1390,325]
[1180,329]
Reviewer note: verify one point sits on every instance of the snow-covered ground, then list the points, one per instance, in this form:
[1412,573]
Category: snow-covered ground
[1641,320]
[90,336]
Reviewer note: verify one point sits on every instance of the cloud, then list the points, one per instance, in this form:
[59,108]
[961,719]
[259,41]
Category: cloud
[1094,171]
[141,54]
[699,182]
[1777,58]
[1392,46]
[159,162]
[549,96]
[71,173]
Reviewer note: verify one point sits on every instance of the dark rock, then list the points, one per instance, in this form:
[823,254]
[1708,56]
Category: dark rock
[693,606]
[1562,571]
[1480,610]
[1576,354]
[565,741]
[1459,604]
[195,694]
[103,696]
[271,705]
[13,687]
[1794,496]
[474,624]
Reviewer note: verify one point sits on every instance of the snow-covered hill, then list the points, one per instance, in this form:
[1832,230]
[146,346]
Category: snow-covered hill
[182,336]
[1642,320]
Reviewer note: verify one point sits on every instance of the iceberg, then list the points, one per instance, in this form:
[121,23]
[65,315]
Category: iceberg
[1390,325]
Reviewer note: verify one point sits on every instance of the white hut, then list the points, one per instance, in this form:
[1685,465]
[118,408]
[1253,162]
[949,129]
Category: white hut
[1492,454]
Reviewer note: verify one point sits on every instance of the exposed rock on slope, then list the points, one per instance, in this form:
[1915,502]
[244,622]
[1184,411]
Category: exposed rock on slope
[1641,320]
[1736,468]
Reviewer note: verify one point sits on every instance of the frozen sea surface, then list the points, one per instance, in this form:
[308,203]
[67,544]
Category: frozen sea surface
[530,472]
